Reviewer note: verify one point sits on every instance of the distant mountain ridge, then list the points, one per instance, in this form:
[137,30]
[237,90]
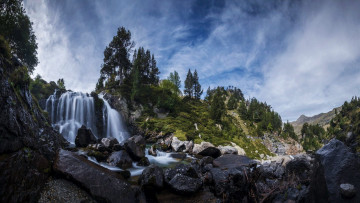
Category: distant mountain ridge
[323,119]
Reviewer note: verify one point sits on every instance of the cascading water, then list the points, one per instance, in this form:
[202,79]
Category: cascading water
[70,112]
[74,109]
[114,126]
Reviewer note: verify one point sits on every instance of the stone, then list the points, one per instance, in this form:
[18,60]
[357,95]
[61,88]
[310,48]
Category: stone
[227,150]
[135,146]
[152,178]
[185,185]
[120,159]
[104,185]
[177,145]
[84,137]
[109,142]
[210,151]
[298,166]
[144,161]
[240,151]
[334,165]
[347,190]
[152,150]
[180,156]
[228,161]
[200,147]
[188,146]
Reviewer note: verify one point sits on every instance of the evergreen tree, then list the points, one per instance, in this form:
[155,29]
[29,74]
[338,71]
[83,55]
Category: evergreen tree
[154,72]
[61,83]
[217,108]
[232,103]
[116,56]
[175,79]
[196,86]
[145,64]
[16,28]
[189,88]
[288,131]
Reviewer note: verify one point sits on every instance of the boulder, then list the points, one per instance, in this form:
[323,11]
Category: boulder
[298,166]
[240,151]
[109,142]
[347,190]
[210,151]
[334,165]
[228,161]
[200,147]
[183,169]
[181,156]
[144,161]
[120,159]
[152,178]
[177,145]
[104,185]
[188,146]
[185,185]
[135,146]
[227,150]
[152,150]
[84,137]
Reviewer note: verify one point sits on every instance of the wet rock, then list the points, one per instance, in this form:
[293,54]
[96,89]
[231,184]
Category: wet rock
[227,150]
[152,150]
[184,169]
[335,164]
[206,160]
[103,184]
[188,146]
[185,185]
[181,156]
[118,147]
[135,146]
[200,147]
[177,145]
[144,161]
[232,161]
[347,190]
[84,137]
[152,178]
[109,142]
[98,155]
[120,159]
[210,151]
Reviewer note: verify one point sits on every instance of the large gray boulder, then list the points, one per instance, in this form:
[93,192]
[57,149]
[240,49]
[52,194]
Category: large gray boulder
[109,142]
[135,146]
[104,185]
[152,178]
[335,164]
[84,137]
[120,159]
[228,161]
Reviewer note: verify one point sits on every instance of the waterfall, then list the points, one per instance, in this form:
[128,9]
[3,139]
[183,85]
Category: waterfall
[113,123]
[74,109]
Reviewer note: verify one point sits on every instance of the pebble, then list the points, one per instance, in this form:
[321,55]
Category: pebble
[60,190]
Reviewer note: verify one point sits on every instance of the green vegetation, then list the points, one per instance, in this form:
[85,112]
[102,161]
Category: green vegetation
[192,85]
[16,28]
[347,121]
[312,136]
[288,131]
[42,89]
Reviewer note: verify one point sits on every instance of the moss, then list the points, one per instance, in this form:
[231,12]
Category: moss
[47,170]
[180,135]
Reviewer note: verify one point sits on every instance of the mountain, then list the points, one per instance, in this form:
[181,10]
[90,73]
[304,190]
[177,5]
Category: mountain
[323,119]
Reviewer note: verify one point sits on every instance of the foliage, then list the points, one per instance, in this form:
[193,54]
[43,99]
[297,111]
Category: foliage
[16,28]
[20,77]
[61,84]
[196,86]
[312,136]
[288,131]
[5,50]
[217,108]
[42,89]
[347,121]
[189,91]
[175,79]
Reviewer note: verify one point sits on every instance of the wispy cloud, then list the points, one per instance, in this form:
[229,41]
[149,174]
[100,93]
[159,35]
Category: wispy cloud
[298,56]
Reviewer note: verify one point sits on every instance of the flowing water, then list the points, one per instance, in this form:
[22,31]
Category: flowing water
[73,109]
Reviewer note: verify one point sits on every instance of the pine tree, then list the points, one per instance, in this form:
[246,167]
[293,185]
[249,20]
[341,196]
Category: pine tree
[196,86]
[175,79]
[189,91]
[217,108]
[61,83]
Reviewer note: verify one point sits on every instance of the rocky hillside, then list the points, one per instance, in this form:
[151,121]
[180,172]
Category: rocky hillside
[323,119]
[28,143]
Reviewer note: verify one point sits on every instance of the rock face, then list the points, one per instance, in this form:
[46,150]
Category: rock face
[84,137]
[335,165]
[200,147]
[120,159]
[135,146]
[210,151]
[103,184]
[152,178]
[28,144]
[232,161]
[109,142]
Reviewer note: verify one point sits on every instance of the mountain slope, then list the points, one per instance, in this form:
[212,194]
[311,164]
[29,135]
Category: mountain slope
[323,119]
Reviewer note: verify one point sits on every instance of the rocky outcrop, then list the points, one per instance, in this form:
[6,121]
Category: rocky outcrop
[103,184]
[84,137]
[109,142]
[180,146]
[135,146]
[335,164]
[28,144]
[280,146]
[120,159]
[183,179]
[152,178]
[200,147]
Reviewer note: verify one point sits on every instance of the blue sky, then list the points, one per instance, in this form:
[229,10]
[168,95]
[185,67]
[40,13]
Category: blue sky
[301,57]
